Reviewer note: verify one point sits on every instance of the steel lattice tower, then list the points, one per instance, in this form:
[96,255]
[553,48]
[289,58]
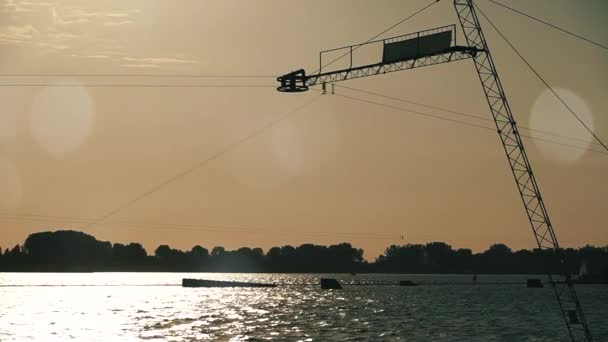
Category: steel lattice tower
[430,47]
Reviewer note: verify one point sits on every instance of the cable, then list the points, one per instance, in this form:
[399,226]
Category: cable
[211,228]
[351,236]
[52,217]
[550,25]
[415,103]
[415,112]
[160,227]
[138,75]
[201,163]
[26,217]
[543,80]
[379,34]
[465,123]
[478,117]
[5,218]
[139,85]
[145,227]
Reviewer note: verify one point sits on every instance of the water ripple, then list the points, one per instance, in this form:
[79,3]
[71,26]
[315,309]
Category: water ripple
[285,313]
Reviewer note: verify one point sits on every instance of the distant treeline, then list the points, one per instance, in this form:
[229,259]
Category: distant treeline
[71,251]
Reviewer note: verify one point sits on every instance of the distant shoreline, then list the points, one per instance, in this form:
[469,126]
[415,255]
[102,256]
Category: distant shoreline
[77,252]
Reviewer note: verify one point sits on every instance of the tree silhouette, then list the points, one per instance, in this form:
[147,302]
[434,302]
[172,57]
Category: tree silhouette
[76,251]
[132,255]
[198,258]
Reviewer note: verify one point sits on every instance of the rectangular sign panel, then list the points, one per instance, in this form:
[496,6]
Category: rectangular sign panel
[417,47]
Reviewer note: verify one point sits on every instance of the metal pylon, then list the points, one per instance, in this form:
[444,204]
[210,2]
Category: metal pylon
[529,191]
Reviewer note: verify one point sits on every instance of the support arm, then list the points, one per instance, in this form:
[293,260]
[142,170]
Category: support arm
[414,50]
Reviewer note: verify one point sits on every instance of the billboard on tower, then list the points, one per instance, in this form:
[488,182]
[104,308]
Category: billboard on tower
[416,47]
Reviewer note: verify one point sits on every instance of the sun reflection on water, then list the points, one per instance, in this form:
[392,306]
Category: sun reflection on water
[153,311]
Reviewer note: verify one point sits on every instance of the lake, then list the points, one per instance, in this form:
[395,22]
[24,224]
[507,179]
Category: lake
[152,307]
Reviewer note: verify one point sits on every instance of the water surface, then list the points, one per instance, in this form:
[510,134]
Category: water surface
[149,307]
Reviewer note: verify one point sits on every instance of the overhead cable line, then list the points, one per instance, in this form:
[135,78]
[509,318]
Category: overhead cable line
[415,103]
[160,227]
[257,231]
[151,227]
[211,158]
[379,34]
[413,111]
[166,226]
[140,85]
[33,218]
[212,228]
[52,217]
[174,226]
[139,75]
[550,25]
[465,123]
[478,117]
[543,80]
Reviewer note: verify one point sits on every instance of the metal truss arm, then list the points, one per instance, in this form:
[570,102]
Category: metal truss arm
[409,51]
[454,54]
[298,81]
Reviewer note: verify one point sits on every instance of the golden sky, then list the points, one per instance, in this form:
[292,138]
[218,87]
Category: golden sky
[336,170]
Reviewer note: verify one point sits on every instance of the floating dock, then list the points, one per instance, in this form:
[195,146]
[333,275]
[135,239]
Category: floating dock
[330,284]
[218,283]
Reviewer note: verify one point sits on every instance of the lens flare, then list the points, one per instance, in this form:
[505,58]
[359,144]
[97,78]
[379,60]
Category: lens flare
[287,147]
[61,118]
[271,161]
[288,150]
[549,114]
[8,120]
[8,127]
[10,185]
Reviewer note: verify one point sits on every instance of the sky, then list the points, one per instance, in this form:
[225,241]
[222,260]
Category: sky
[225,166]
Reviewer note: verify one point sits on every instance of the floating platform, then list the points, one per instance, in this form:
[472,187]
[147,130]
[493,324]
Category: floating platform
[596,279]
[407,283]
[534,283]
[330,284]
[218,283]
